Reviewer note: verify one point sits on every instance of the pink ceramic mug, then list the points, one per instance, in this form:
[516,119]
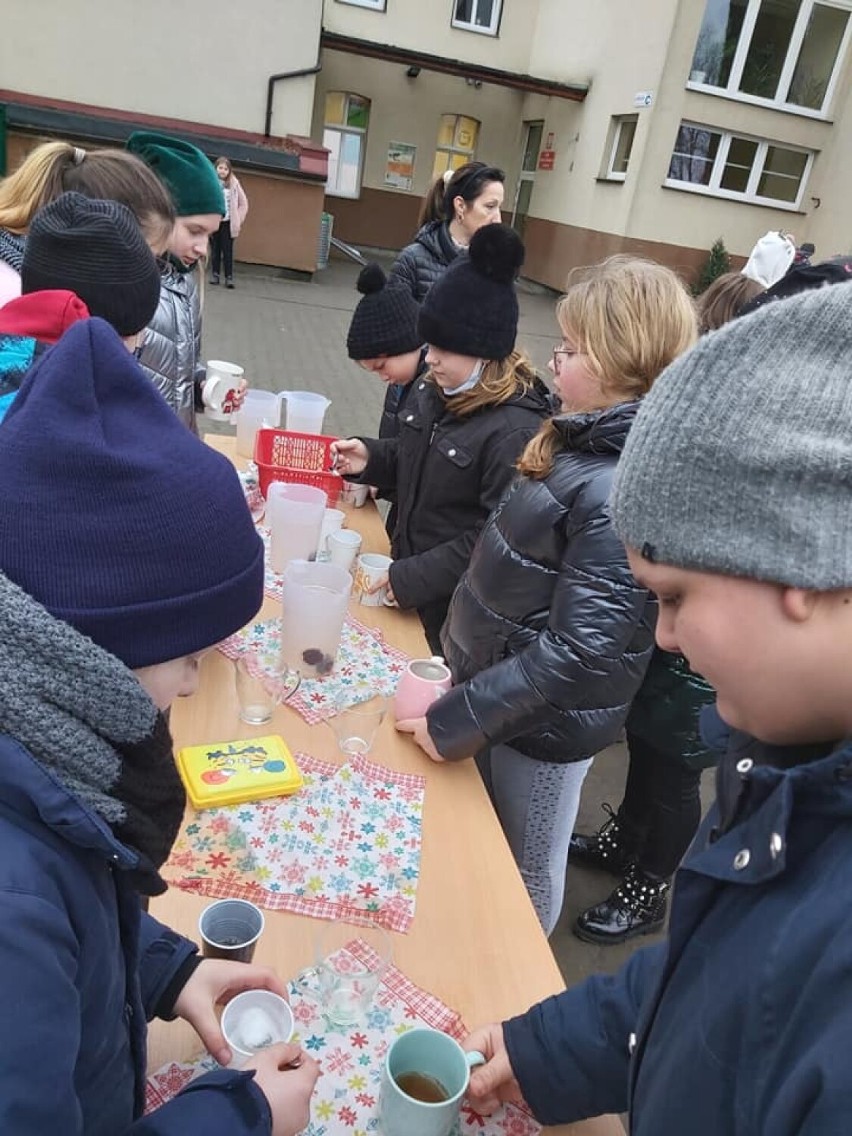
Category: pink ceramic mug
[424,681]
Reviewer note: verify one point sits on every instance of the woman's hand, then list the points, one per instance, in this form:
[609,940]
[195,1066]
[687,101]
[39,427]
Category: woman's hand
[286,1076]
[420,731]
[494,1082]
[349,456]
[213,982]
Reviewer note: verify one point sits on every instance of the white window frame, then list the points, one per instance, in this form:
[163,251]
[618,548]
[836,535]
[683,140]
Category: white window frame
[618,122]
[345,131]
[375,5]
[731,90]
[471,25]
[713,188]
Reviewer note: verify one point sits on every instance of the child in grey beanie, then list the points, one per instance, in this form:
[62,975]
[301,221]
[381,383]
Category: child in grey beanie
[733,497]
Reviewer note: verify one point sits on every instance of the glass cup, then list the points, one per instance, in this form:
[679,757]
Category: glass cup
[345,977]
[261,685]
[229,929]
[355,727]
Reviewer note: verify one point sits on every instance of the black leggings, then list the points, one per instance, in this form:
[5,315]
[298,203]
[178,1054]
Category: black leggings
[661,808]
[222,247]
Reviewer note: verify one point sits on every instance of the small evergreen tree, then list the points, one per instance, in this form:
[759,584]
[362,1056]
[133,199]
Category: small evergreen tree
[717,264]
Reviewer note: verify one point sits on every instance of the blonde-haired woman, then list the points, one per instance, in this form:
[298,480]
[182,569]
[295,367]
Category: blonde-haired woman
[462,429]
[548,634]
[53,168]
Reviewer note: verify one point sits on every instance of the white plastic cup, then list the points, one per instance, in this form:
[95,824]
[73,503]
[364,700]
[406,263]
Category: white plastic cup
[343,546]
[354,494]
[243,1026]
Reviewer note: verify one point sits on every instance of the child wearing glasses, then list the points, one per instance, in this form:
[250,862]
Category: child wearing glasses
[548,634]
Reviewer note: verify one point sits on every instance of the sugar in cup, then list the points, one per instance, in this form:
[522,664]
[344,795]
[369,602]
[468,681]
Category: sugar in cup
[254,1020]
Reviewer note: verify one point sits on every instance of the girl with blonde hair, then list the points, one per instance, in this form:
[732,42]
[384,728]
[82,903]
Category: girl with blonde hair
[548,634]
[54,168]
[236,211]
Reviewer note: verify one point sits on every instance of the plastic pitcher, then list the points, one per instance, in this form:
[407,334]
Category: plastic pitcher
[295,514]
[260,409]
[305,411]
[313,608]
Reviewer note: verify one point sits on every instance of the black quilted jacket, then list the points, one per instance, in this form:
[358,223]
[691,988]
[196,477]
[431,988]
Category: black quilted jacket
[548,634]
[448,472]
[420,264]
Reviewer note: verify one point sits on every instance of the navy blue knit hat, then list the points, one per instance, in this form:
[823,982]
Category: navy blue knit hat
[114,516]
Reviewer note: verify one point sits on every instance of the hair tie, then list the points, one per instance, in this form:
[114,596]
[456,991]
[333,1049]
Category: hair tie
[447,176]
[78,155]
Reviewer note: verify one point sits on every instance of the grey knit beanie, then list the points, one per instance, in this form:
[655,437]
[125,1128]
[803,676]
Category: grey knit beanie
[740,459]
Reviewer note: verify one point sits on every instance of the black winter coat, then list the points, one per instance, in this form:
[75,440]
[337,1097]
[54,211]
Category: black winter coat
[548,634]
[449,472]
[420,264]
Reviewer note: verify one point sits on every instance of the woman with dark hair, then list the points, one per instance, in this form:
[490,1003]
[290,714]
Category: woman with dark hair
[471,198]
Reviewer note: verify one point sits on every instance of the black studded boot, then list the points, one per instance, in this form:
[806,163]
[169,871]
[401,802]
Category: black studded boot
[610,849]
[636,907]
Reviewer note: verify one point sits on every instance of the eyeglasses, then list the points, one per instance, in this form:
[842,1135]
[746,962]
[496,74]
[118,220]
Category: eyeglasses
[568,352]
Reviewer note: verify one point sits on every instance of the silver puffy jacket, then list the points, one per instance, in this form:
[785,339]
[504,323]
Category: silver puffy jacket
[170,354]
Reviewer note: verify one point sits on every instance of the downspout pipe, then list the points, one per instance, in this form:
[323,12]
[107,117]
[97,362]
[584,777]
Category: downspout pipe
[273,79]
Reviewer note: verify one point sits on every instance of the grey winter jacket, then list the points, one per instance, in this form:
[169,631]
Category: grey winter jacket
[170,354]
[420,264]
[548,634]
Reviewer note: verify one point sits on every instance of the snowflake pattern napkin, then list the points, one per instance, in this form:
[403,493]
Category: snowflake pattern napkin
[365,666]
[346,1097]
[345,846]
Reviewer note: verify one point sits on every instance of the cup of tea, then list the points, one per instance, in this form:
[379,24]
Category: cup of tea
[422,682]
[229,929]
[253,1020]
[352,493]
[424,1078]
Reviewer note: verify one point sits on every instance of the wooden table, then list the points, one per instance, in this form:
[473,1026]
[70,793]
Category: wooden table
[475,942]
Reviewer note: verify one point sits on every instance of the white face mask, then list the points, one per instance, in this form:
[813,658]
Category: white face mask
[470,382]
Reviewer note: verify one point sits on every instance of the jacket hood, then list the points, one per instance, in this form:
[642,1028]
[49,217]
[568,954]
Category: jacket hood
[42,315]
[598,432]
[435,237]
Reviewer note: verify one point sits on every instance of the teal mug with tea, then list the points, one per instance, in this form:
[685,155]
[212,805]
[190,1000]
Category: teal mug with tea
[424,1079]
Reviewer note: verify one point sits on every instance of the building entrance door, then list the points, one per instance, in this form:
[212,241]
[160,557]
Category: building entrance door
[532,144]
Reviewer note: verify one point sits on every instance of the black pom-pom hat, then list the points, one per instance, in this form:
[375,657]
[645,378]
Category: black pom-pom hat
[385,321]
[473,308]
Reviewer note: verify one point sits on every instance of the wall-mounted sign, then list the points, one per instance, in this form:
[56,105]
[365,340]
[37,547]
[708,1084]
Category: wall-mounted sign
[546,159]
[548,145]
[399,172]
[643,98]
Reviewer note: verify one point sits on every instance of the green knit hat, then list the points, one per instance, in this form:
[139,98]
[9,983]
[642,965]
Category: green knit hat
[188,174]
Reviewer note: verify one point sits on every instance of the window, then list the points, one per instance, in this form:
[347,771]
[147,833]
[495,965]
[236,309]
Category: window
[457,137]
[376,5]
[622,133]
[786,52]
[344,136]
[477,15]
[728,165]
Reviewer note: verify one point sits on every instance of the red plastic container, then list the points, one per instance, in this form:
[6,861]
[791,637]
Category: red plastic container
[281,455]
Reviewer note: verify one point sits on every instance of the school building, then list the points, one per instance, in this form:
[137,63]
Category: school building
[646,126]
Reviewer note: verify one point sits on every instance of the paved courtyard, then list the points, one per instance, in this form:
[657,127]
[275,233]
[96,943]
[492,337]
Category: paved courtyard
[291,335]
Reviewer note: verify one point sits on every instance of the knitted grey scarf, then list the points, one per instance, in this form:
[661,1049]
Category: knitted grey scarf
[85,718]
[12,249]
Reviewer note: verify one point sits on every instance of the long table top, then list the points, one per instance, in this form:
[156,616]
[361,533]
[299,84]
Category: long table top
[475,942]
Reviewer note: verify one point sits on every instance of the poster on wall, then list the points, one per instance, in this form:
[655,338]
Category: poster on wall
[399,173]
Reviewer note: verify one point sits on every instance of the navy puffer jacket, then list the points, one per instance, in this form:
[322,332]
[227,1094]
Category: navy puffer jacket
[548,634]
[420,264]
